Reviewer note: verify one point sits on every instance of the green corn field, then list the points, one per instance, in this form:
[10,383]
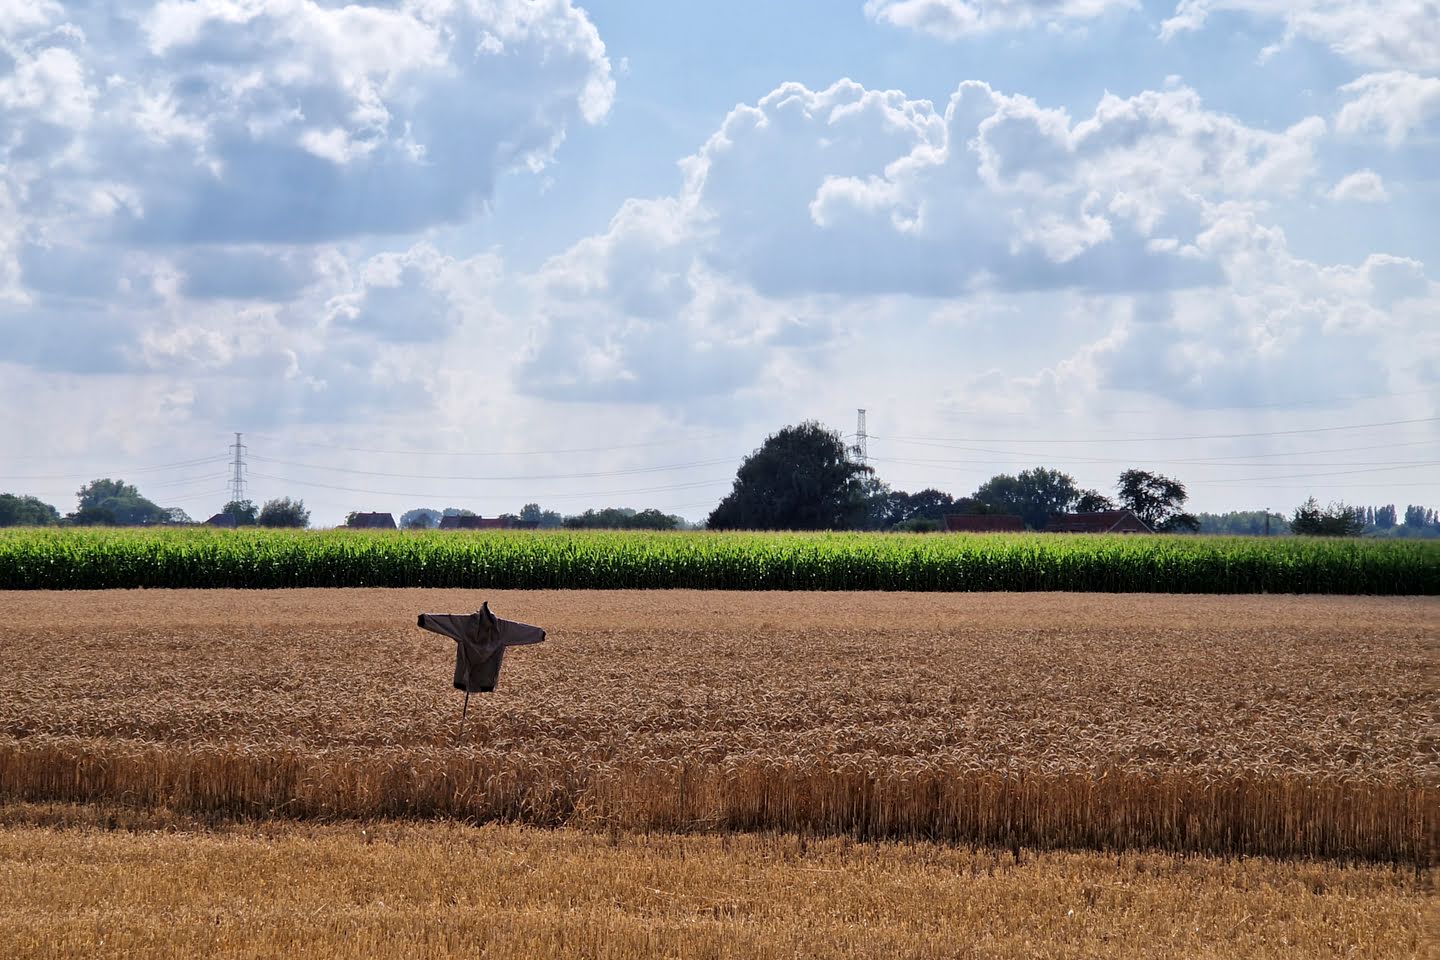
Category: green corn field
[92,559]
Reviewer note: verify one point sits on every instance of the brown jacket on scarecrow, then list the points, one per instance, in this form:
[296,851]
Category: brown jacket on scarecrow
[480,642]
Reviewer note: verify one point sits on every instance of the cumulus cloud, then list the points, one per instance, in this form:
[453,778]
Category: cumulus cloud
[1362,186]
[1395,103]
[1277,325]
[809,202]
[1379,34]
[954,19]
[883,194]
[177,179]
[278,121]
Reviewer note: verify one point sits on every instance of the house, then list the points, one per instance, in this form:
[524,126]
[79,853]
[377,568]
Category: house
[372,521]
[1106,521]
[983,523]
[227,520]
[486,523]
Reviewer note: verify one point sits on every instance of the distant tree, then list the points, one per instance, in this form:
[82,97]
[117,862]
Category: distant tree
[928,505]
[1242,523]
[621,518]
[1385,517]
[26,511]
[96,492]
[1033,495]
[1093,501]
[800,478]
[1157,500]
[547,519]
[421,518]
[114,502]
[245,512]
[176,515]
[458,512]
[1335,520]
[284,512]
[920,525]
[96,516]
[1415,517]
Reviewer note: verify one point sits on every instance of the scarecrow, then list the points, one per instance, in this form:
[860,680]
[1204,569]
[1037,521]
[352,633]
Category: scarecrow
[480,642]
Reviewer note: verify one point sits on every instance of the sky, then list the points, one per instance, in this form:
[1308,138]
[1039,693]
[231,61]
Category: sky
[481,253]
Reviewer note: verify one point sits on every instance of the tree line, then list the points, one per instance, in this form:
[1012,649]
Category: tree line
[805,478]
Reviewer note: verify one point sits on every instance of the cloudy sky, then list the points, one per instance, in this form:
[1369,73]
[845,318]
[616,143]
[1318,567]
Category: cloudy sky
[476,253]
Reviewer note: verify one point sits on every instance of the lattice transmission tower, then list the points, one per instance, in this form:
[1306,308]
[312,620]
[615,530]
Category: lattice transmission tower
[861,449]
[237,470]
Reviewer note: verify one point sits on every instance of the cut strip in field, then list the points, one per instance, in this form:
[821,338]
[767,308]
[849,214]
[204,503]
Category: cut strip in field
[448,890]
[1260,725]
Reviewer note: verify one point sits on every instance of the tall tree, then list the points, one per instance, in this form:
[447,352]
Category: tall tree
[17,511]
[421,518]
[245,512]
[1033,495]
[1385,517]
[1156,499]
[1335,520]
[1093,501]
[621,518]
[800,478]
[109,501]
[284,512]
[547,519]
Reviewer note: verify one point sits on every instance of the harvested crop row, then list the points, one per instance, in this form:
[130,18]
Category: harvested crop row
[99,559]
[1277,725]
[450,890]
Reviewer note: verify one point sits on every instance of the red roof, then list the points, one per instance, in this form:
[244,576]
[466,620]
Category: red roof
[983,523]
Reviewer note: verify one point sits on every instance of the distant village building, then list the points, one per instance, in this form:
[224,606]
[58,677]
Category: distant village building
[983,523]
[227,520]
[1106,521]
[486,523]
[372,521]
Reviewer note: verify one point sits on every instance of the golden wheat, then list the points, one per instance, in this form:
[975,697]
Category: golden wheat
[449,890]
[1256,725]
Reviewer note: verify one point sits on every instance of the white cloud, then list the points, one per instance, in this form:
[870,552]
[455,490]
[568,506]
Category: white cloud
[1278,326]
[1379,34]
[954,19]
[1362,186]
[1396,103]
[811,204]
[289,120]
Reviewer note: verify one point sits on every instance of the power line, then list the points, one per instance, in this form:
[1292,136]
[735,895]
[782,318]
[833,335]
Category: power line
[1212,436]
[1233,460]
[157,468]
[481,453]
[550,476]
[491,495]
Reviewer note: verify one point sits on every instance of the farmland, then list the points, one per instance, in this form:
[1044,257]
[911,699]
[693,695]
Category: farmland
[357,891]
[1258,725]
[38,558]
[709,773]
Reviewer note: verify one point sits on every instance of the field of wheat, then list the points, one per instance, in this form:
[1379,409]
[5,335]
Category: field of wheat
[1281,726]
[444,890]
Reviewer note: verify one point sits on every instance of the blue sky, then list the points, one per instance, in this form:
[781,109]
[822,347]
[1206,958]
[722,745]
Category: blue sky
[477,254]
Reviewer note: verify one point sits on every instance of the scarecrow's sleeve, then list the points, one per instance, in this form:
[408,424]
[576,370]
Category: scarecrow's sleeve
[515,634]
[446,624]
